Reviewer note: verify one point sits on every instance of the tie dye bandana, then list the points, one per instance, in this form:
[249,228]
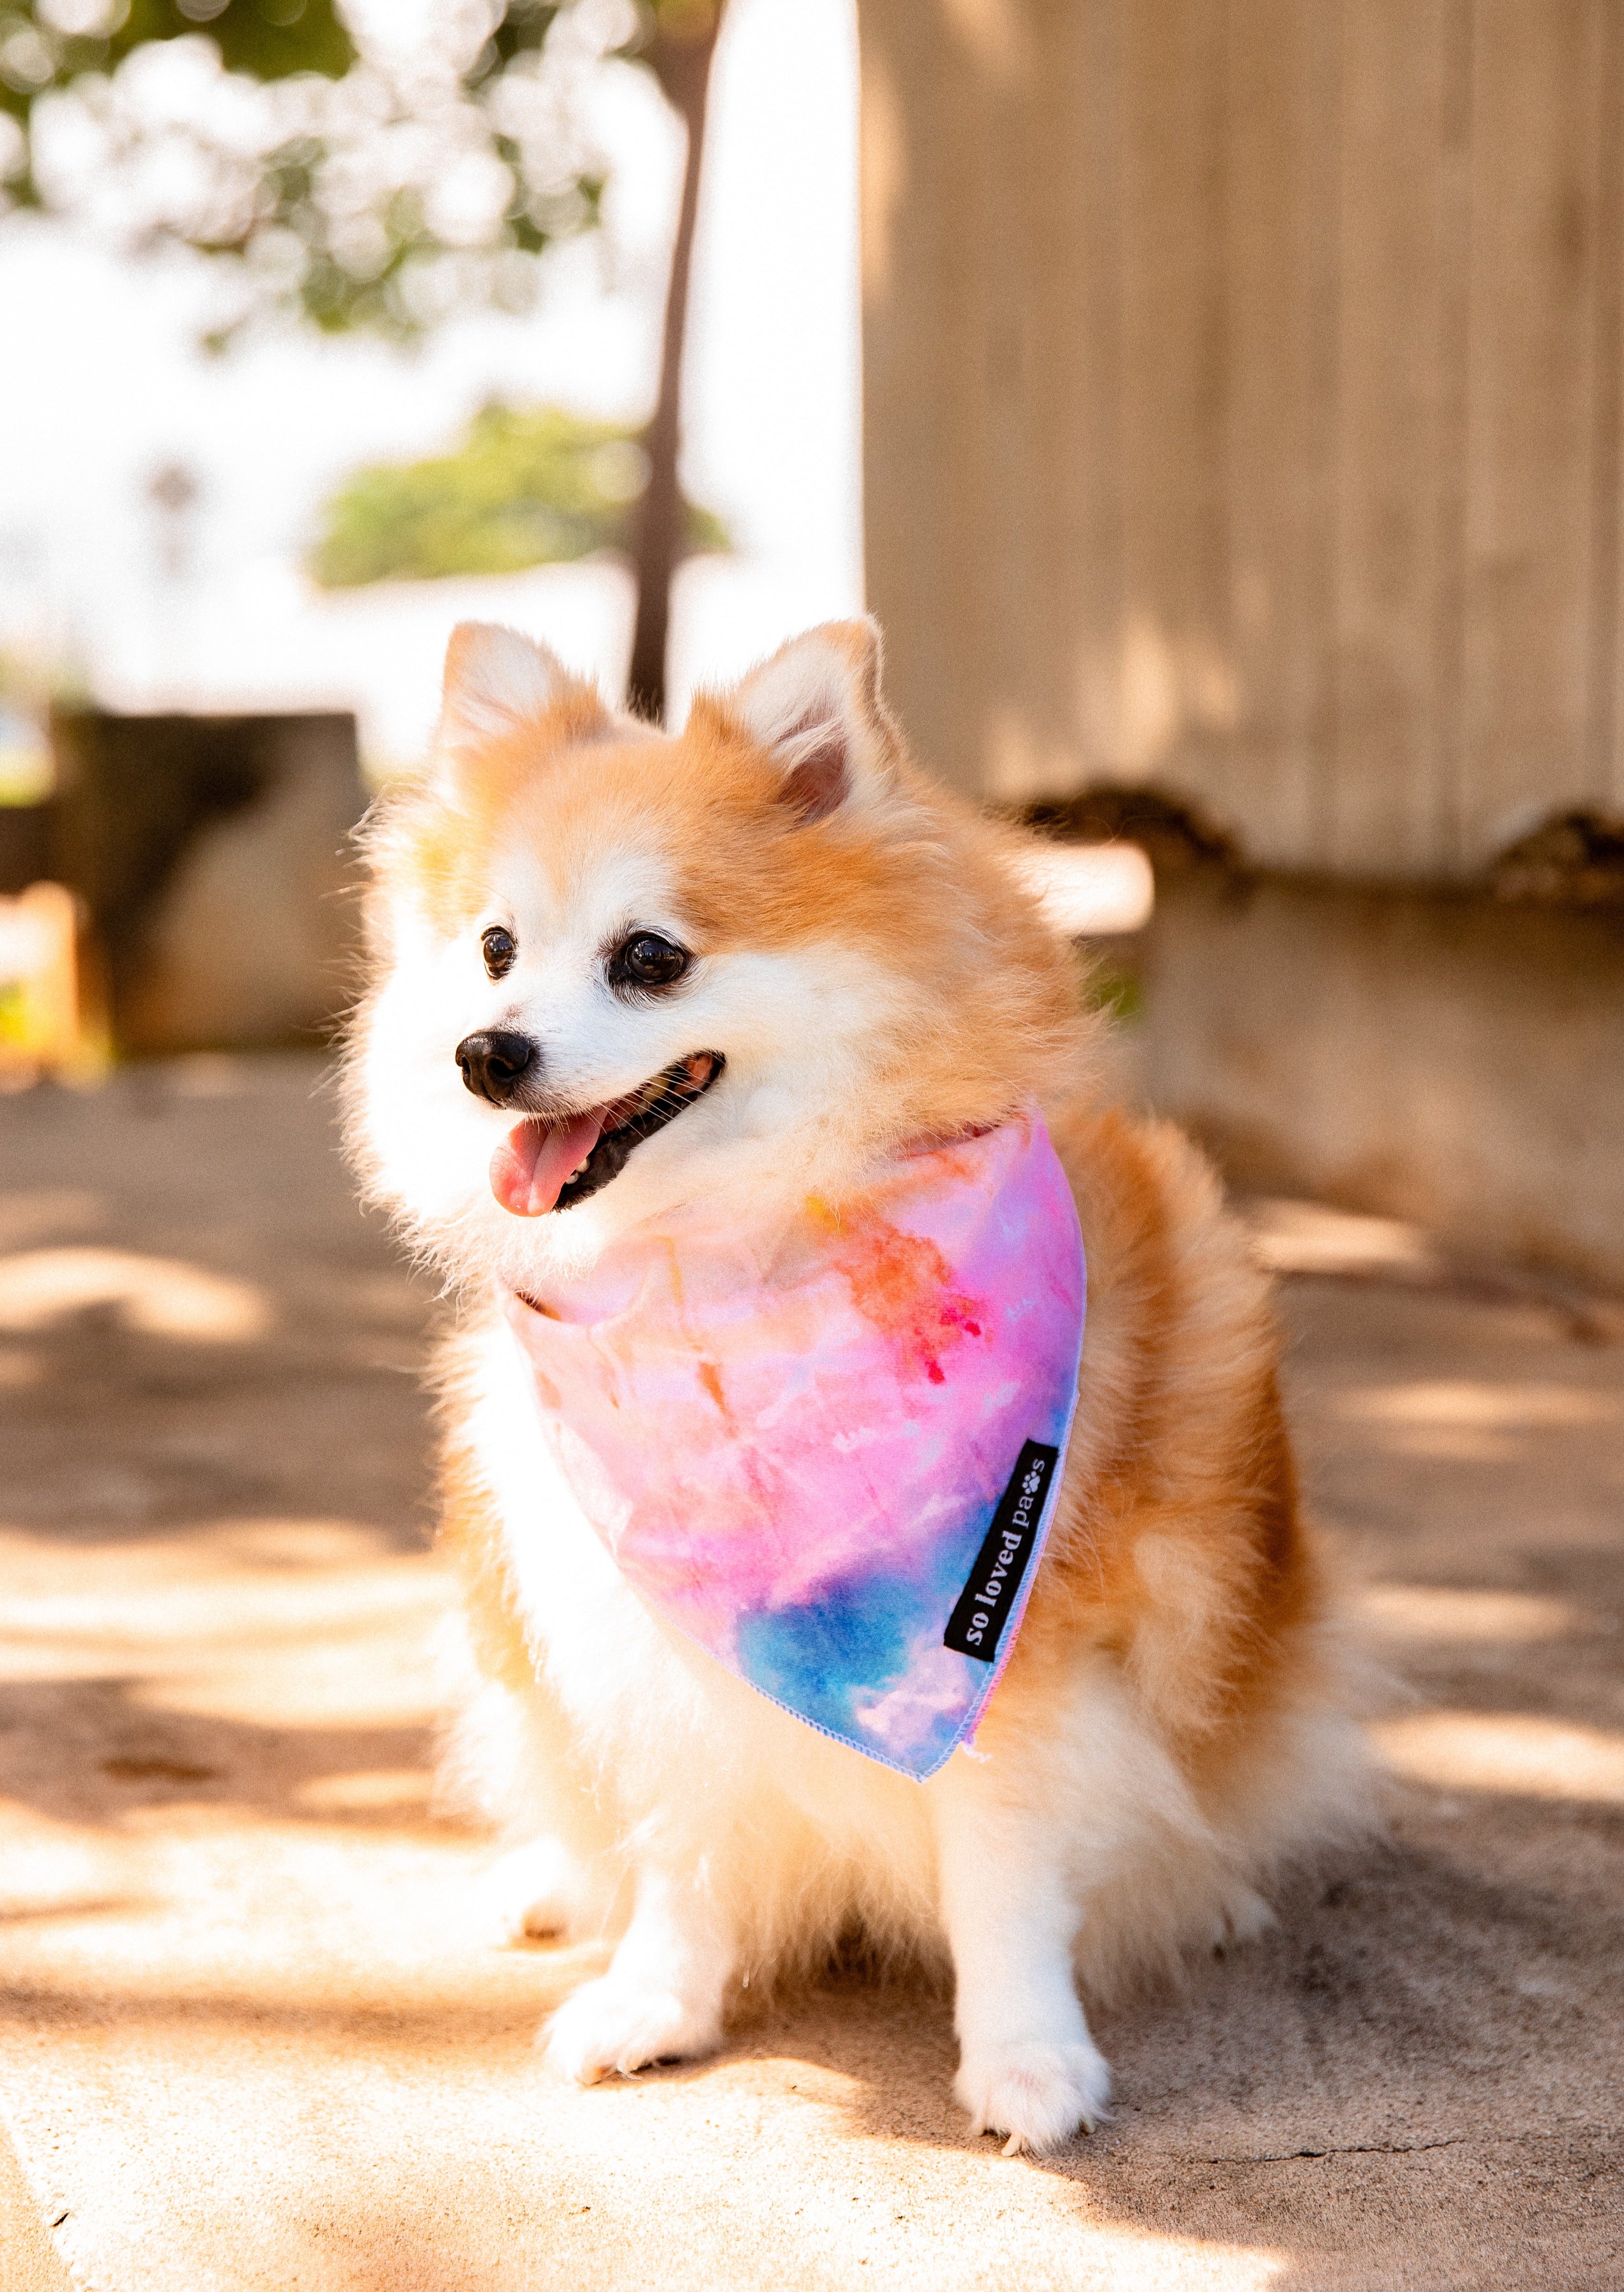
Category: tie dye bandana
[832,1463]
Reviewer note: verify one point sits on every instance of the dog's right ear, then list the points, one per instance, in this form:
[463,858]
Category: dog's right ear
[497,681]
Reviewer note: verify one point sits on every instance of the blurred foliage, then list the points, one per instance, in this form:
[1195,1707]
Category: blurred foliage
[39,680]
[1107,985]
[45,47]
[527,486]
[353,186]
[25,750]
[25,773]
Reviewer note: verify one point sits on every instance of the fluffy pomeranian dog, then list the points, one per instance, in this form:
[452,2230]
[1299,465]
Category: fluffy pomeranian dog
[618,973]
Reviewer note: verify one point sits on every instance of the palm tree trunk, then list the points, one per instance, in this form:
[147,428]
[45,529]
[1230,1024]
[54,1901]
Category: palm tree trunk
[680,55]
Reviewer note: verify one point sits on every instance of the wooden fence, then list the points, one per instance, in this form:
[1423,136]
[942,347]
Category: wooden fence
[1243,407]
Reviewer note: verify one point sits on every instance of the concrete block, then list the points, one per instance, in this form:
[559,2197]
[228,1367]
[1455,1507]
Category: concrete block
[1440,1055]
[213,856]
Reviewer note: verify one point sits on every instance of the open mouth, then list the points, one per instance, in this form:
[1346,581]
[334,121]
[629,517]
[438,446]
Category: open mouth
[551,1163]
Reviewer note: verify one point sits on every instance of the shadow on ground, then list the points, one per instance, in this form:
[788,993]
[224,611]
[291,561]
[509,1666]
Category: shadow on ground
[251,2036]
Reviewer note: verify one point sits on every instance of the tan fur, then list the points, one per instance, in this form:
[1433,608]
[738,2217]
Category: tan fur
[470,1538]
[1178,1630]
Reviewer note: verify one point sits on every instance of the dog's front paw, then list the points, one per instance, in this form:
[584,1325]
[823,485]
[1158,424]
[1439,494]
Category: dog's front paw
[1038,2095]
[541,1893]
[619,2024]
[1241,1919]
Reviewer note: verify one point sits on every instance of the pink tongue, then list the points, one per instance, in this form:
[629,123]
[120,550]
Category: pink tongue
[530,1168]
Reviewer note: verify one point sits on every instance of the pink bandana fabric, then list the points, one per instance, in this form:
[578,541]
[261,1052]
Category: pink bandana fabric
[831,1461]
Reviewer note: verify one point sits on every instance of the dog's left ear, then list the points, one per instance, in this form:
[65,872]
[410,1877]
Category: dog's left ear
[815,708]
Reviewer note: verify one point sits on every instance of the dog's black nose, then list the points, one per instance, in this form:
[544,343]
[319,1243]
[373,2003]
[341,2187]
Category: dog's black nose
[494,1064]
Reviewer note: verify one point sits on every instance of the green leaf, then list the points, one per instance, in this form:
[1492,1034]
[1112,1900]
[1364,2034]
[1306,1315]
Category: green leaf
[271,39]
[536,486]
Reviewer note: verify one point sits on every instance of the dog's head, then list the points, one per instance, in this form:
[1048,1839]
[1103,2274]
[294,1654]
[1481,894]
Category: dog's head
[616,973]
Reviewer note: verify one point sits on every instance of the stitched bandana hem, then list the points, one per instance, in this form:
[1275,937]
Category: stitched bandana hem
[830,1458]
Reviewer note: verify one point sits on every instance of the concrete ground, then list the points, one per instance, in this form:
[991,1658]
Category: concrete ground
[249,2037]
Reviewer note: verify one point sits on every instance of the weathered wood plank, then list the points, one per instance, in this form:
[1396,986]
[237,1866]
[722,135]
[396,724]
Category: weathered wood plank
[915,269]
[1245,392]
[1056,727]
[1282,261]
[1442,853]
[1604,773]
[1395,499]
[1176,694]
[1530,437]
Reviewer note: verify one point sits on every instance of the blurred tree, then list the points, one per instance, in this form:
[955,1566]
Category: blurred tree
[679,53]
[354,185]
[525,487]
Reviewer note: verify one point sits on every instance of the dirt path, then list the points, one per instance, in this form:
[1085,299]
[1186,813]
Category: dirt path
[249,2039]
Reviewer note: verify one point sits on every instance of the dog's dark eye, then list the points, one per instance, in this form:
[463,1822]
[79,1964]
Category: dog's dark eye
[646,959]
[499,948]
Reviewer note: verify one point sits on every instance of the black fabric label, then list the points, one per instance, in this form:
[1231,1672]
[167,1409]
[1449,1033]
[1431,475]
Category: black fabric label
[985,1603]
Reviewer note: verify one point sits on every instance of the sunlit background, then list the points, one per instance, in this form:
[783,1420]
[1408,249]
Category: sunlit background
[1222,408]
[158,506]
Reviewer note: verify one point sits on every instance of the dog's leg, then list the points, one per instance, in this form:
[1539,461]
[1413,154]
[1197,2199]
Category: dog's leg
[1028,2067]
[662,1997]
[508,1758]
[547,1891]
